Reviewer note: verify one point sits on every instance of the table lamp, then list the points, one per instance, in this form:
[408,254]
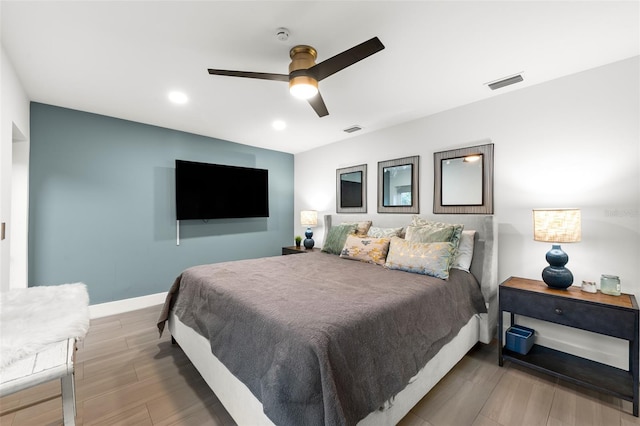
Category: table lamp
[308,218]
[557,226]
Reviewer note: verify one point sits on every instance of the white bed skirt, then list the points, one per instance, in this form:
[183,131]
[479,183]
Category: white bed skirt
[246,409]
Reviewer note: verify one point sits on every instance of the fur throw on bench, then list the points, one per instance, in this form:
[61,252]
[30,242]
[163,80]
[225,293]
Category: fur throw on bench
[32,318]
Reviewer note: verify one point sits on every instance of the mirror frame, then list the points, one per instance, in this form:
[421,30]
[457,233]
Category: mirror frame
[487,180]
[415,179]
[363,208]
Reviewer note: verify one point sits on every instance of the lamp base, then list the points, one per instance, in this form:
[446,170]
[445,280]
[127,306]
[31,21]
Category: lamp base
[308,242]
[556,275]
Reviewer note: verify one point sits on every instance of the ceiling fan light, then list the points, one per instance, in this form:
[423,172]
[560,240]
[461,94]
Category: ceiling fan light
[303,91]
[303,87]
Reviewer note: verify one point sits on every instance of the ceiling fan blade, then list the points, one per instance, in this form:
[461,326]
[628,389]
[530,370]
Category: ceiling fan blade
[342,60]
[249,74]
[317,103]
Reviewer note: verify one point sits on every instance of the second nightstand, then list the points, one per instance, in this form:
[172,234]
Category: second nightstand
[297,250]
[615,316]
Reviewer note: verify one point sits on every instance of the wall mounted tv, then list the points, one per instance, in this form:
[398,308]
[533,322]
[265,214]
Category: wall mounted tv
[215,191]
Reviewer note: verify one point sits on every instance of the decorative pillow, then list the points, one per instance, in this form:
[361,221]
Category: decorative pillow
[366,249]
[376,232]
[336,237]
[464,255]
[457,231]
[429,234]
[361,227]
[422,258]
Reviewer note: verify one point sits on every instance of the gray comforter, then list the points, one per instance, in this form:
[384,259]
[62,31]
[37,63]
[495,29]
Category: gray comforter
[321,340]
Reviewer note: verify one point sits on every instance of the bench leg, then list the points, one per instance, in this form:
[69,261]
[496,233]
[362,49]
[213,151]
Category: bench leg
[68,400]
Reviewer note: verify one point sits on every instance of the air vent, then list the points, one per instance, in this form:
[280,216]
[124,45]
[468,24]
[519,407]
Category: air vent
[352,129]
[506,82]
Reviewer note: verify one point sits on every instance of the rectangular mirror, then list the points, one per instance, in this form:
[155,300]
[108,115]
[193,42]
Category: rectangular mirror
[463,180]
[398,185]
[351,189]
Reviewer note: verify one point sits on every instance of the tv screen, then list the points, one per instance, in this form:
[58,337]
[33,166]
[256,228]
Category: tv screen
[214,191]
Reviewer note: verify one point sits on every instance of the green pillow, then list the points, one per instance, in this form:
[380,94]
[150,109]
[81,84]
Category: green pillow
[336,238]
[457,228]
[429,234]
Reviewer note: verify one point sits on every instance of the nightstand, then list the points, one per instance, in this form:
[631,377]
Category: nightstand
[615,316]
[297,250]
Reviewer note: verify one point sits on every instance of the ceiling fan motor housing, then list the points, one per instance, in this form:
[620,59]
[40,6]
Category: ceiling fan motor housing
[302,57]
[304,73]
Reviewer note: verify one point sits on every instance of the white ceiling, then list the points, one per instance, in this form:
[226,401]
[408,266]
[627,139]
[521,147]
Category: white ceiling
[121,58]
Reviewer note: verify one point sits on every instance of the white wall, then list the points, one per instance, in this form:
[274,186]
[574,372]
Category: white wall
[571,142]
[14,150]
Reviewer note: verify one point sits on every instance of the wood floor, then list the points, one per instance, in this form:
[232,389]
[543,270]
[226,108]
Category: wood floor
[125,375]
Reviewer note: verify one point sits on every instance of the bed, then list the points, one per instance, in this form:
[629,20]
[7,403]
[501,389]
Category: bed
[317,339]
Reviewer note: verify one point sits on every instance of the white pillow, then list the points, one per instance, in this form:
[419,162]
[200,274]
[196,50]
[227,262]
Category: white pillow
[463,257]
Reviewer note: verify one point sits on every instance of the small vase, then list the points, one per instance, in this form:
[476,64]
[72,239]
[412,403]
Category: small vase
[298,244]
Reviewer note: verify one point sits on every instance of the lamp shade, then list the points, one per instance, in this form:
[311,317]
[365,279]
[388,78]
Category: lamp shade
[557,225]
[309,217]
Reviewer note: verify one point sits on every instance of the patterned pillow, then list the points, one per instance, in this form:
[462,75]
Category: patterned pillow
[361,227]
[457,231]
[464,255]
[429,234]
[336,237]
[376,232]
[422,258]
[366,249]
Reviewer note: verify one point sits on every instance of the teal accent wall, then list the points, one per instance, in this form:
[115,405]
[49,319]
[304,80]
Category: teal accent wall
[102,204]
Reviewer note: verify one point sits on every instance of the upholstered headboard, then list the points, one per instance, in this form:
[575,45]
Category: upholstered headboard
[485,253]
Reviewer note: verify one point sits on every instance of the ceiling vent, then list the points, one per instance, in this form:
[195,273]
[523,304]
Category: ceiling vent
[352,129]
[505,82]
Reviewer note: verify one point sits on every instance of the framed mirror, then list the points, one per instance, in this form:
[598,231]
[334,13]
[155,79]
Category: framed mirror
[463,180]
[351,189]
[398,185]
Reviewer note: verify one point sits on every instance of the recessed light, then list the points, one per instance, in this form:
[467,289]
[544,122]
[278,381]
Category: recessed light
[279,125]
[178,97]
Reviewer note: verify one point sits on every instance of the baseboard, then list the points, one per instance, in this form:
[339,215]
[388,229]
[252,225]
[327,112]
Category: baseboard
[119,306]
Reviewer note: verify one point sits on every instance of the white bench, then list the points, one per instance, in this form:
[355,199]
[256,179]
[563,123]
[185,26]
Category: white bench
[55,361]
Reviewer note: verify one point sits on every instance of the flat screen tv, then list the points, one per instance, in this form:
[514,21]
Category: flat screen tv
[215,191]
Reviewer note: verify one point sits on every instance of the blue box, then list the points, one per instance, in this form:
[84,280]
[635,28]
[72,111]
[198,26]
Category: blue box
[520,339]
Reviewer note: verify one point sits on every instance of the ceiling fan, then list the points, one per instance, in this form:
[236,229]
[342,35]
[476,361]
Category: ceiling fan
[304,73]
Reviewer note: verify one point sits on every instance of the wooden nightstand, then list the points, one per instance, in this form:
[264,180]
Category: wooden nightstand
[615,316]
[297,250]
